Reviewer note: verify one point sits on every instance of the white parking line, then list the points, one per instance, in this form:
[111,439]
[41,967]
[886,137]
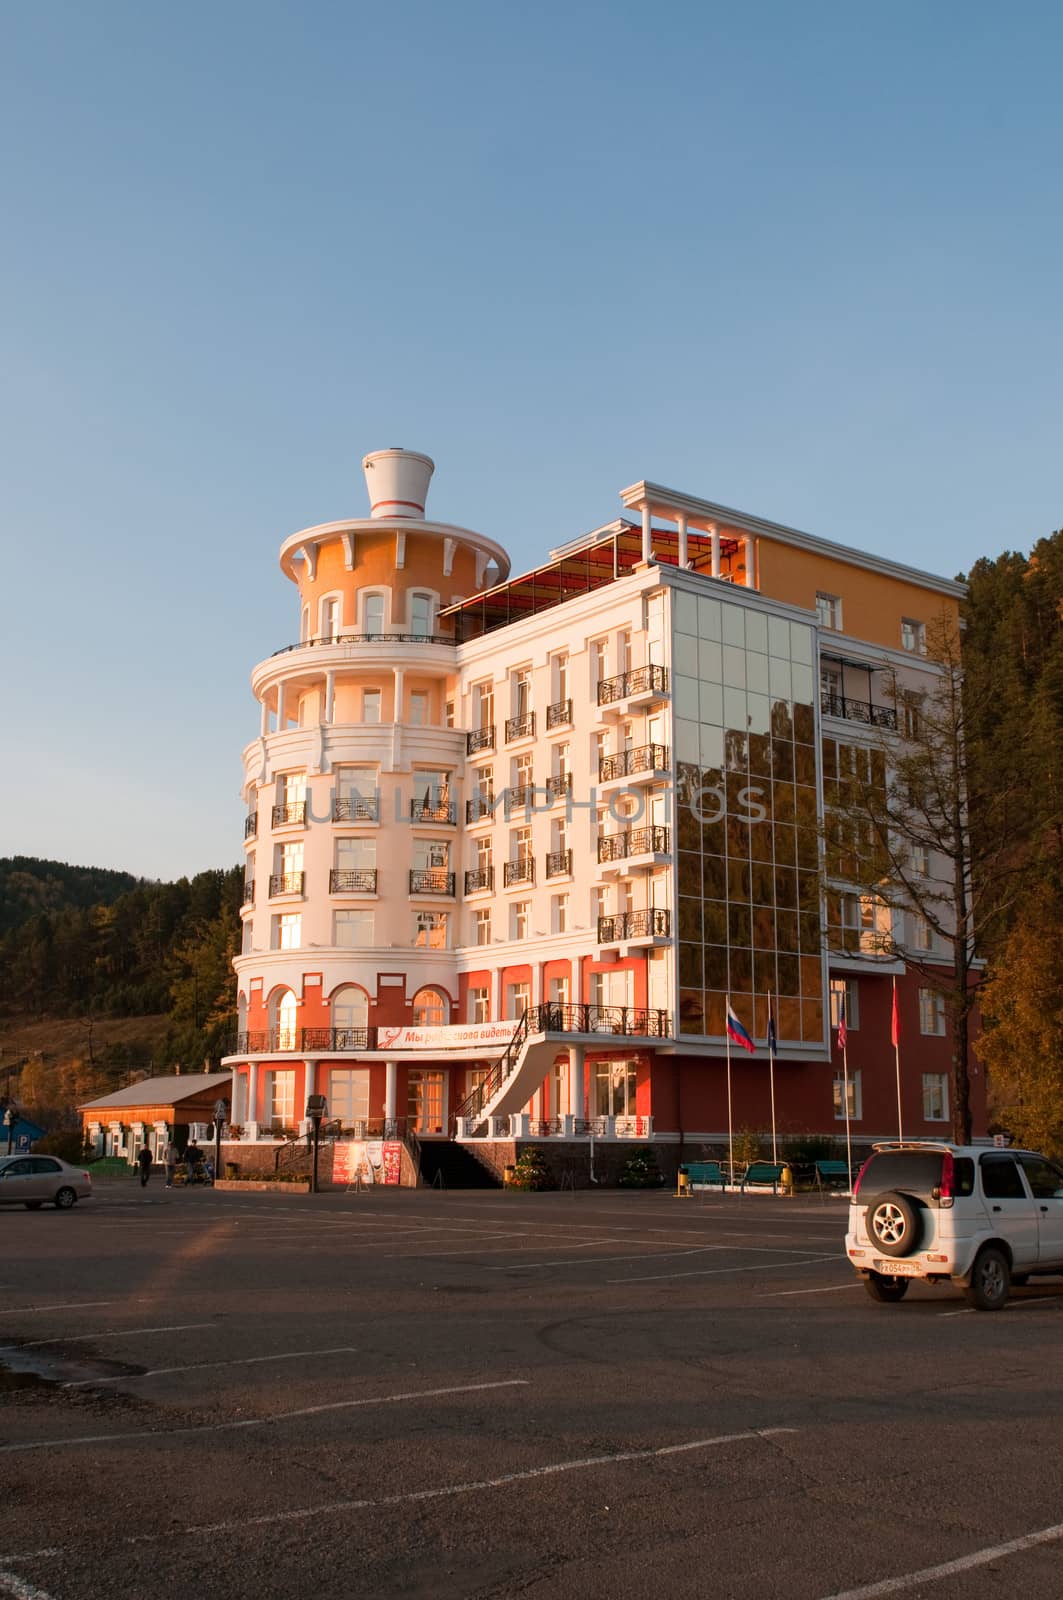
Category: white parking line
[60,1305]
[593,1261]
[1012,1305]
[261,1422]
[200,1366]
[119,1333]
[835,1288]
[714,1272]
[949,1569]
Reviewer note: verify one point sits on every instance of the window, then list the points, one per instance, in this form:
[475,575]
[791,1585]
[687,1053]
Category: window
[348,1095]
[355,783]
[560,676]
[856,1109]
[479,1005]
[431,788]
[562,760]
[613,1086]
[623,650]
[935,1097]
[370,705]
[245,938]
[828,610]
[522,692]
[599,661]
[280,1099]
[331,608]
[851,990]
[430,1009]
[424,1101]
[559,836]
[353,929]
[600,901]
[418,708]
[430,855]
[521,842]
[921,860]
[559,913]
[559,991]
[483,695]
[373,615]
[485,784]
[600,749]
[931,1011]
[288,931]
[518,999]
[448,715]
[349,1010]
[922,932]
[520,919]
[913,635]
[291,788]
[830,682]
[352,854]
[911,712]
[289,858]
[482,925]
[430,930]
[284,1011]
[483,856]
[420,615]
[1045,1180]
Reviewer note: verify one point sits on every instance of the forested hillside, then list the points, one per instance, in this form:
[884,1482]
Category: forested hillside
[29,886]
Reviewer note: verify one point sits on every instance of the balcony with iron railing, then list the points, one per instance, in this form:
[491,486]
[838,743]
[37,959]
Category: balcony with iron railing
[520,797]
[479,739]
[431,880]
[352,880]
[433,811]
[654,840]
[479,879]
[378,638]
[357,808]
[558,784]
[279,1041]
[480,808]
[251,825]
[286,883]
[559,715]
[559,864]
[650,680]
[522,727]
[840,705]
[522,871]
[249,892]
[643,760]
[653,922]
[291,815]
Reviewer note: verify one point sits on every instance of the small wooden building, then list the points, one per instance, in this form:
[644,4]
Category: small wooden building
[152,1112]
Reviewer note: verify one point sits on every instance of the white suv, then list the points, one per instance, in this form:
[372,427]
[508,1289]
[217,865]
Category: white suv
[949,1213]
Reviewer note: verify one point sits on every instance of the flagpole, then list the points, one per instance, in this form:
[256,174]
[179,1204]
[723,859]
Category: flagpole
[730,1125]
[848,1128]
[895,1028]
[771,1072]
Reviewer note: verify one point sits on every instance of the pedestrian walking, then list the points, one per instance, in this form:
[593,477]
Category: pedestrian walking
[193,1155]
[170,1158]
[144,1161]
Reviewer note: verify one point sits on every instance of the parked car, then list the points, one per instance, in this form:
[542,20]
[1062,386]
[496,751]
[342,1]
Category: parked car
[961,1214]
[31,1180]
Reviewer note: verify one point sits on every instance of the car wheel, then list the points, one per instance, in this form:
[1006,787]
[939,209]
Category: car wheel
[990,1279]
[887,1290]
[64,1199]
[893,1223]
[33,1205]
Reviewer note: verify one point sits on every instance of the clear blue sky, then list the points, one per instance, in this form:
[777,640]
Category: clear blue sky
[804,260]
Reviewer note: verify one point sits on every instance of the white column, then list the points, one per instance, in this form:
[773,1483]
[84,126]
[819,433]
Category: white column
[714,535]
[330,693]
[309,1083]
[265,716]
[396,715]
[683,554]
[748,557]
[280,708]
[391,1084]
[252,1091]
[577,1090]
[647,536]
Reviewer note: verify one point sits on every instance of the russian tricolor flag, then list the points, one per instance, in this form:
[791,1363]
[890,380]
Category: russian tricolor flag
[736,1031]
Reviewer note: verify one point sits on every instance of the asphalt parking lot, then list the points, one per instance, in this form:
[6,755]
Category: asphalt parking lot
[480,1395]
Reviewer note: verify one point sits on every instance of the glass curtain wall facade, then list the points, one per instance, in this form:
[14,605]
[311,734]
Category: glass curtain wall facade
[747,820]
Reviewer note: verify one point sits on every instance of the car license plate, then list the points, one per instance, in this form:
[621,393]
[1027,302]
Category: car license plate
[898,1269]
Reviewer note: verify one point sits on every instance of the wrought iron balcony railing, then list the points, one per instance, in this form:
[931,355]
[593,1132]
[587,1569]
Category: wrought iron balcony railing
[271,1041]
[559,783]
[523,794]
[249,892]
[433,811]
[559,715]
[293,812]
[286,882]
[251,825]
[367,638]
[520,727]
[337,1038]
[559,863]
[357,808]
[651,679]
[654,840]
[479,879]
[479,739]
[352,880]
[643,758]
[518,872]
[431,880]
[654,922]
[839,705]
[478,807]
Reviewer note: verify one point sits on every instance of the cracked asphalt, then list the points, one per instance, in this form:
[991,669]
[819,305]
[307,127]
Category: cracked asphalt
[484,1395]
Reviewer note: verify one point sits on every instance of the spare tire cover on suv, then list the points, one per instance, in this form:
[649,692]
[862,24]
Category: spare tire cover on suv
[894,1223]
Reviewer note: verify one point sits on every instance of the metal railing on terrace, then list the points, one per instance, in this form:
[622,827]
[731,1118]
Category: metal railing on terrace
[559,863]
[478,807]
[520,727]
[479,879]
[286,882]
[518,872]
[654,922]
[652,679]
[431,880]
[294,813]
[366,638]
[559,715]
[357,808]
[840,705]
[352,880]
[479,739]
[654,840]
[251,825]
[249,892]
[433,811]
[643,758]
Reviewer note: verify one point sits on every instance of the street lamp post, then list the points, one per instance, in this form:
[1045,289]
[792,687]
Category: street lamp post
[316,1108]
[221,1114]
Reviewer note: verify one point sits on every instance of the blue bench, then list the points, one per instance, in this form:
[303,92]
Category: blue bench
[704,1172]
[832,1174]
[763,1172]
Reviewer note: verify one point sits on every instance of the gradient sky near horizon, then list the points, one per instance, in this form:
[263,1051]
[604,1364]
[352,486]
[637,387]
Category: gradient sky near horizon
[804,261]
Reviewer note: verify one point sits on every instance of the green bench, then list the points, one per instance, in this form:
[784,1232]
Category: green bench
[762,1172]
[830,1174]
[703,1172]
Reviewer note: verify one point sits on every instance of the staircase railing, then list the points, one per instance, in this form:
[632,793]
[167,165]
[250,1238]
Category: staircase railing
[472,1106]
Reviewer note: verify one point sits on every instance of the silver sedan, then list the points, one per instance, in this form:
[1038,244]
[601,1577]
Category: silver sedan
[31,1180]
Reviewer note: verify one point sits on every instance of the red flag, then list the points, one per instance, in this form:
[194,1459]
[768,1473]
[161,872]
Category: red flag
[895,1021]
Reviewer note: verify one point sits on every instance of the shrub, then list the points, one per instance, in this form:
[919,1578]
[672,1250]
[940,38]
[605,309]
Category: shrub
[531,1171]
[746,1146]
[641,1170]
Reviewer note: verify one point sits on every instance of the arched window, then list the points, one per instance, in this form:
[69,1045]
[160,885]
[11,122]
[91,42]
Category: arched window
[350,1017]
[420,615]
[284,1014]
[331,616]
[431,1009]
[304,625]
[373,615]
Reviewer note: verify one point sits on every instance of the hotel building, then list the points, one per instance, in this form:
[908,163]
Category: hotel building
[512,841]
